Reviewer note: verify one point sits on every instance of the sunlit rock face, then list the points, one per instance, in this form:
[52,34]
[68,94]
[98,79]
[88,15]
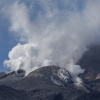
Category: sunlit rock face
[64,75]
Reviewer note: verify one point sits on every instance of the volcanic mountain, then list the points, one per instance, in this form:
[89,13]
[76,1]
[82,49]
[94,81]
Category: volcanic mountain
[53,82]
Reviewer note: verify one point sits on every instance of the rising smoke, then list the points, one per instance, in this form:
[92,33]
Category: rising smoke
[52,33]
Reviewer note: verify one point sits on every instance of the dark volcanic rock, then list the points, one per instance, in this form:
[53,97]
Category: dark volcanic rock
[9,79]
[91,63]
[7,93]
[41,78]
[65,93]
[38,85]
[2,73]
[46,83]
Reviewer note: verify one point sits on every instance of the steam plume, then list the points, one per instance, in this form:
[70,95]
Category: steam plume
[55,34]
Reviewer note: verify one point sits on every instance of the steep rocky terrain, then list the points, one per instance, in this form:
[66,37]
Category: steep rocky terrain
[54,83]
[91,63]
[44,84]
[8,93]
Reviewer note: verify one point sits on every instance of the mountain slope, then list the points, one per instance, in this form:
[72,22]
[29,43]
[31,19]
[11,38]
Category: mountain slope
[38,85]
[90,61]
[54,83]
[7,93]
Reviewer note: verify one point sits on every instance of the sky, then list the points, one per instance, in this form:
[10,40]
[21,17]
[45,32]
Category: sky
[35,33]
[7,40]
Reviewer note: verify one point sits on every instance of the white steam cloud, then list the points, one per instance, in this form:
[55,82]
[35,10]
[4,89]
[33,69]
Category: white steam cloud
[54,33]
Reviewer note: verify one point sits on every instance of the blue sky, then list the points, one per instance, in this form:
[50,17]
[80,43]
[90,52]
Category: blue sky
[7,41]
[46,16]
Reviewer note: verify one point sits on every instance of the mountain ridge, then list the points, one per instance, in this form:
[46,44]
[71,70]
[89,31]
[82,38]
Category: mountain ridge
[54,83]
